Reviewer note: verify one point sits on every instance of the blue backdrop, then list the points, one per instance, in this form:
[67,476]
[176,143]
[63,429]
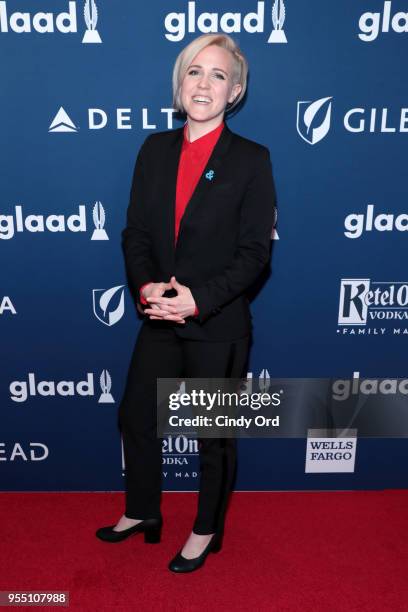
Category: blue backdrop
[83,84]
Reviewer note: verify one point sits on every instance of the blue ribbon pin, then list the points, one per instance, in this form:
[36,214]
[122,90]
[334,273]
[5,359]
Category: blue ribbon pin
[210,175]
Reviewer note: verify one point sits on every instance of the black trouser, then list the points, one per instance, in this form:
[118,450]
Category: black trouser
[160,353]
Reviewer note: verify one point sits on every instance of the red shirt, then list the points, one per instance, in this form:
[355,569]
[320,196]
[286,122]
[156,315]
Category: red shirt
[193,160]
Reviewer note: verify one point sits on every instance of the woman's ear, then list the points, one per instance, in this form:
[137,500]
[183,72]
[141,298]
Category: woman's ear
[235,91]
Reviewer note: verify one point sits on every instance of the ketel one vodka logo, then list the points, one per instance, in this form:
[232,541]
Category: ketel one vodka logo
[313,119]
[363,300]
[48,23]
[21,390]
[109,304]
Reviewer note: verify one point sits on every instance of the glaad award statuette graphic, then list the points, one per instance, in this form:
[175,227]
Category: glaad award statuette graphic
[274,233]
[278,18]
[91,19]
[98,215]
[106,385]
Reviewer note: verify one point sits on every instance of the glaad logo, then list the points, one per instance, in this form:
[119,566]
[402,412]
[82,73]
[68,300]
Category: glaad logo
[370,23]
[36,451]
[39,223]
[48,23]
[104,307]
[362,299]
[10,224]
[343,389]
[313,119]
[6,305]
[175,23]
[20,390]
[264,382]
[355,224]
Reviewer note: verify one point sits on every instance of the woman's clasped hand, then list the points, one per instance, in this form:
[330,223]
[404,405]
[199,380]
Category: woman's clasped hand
[176,308]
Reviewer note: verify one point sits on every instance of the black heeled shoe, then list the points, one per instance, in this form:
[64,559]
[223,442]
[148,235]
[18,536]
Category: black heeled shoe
[180,564]
[150,527]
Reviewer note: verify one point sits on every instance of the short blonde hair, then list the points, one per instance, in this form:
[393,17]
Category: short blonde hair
[186,56]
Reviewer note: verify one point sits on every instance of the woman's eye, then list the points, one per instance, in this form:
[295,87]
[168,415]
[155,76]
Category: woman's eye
[218,75]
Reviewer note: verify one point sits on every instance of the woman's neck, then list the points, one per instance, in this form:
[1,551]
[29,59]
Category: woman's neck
[196,129]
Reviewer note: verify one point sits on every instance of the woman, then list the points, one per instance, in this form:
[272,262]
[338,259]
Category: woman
[197,237]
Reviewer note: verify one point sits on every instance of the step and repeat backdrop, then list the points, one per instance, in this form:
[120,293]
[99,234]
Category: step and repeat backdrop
[82,85]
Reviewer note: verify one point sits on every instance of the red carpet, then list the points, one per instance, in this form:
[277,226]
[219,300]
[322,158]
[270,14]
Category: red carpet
[317,551]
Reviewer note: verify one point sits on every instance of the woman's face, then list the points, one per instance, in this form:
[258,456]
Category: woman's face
[207,86]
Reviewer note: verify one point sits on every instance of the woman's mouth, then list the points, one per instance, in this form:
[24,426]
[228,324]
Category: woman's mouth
[202,99]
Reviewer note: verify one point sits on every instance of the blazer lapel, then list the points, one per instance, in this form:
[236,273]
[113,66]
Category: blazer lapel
[207,178]
[203,186]
[169,183]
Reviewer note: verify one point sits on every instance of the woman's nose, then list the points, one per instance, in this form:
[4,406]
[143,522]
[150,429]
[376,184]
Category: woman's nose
[203,82]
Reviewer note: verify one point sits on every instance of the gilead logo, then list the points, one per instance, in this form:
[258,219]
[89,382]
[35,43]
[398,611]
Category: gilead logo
[33,451]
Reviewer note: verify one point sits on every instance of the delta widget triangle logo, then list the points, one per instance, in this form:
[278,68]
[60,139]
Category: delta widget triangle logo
[62,123]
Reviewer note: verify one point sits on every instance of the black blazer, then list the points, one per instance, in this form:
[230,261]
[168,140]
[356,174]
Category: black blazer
[224,236]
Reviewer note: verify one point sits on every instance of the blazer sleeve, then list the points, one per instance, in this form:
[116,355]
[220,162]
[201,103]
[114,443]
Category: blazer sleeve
[136,239]
[253,248]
